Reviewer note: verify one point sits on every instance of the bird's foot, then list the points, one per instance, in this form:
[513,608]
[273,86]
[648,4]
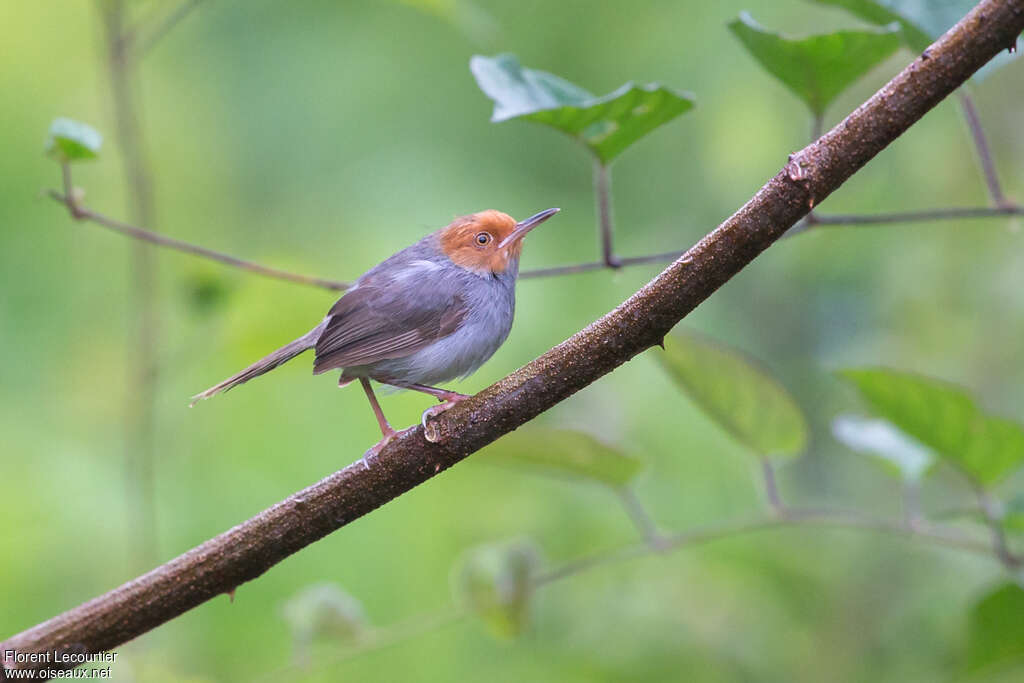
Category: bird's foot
[430,433]
[373,451]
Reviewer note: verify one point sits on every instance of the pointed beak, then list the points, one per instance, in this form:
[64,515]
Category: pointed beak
[526,226]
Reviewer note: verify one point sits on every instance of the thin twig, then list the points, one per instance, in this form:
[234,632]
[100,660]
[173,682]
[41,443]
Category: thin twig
[910,495]
[80,213]
[771,487]
[824,517]
[603,195]
[993,518]
[642,519]
[663,257]
[988,166]
[142,46]
[955,213]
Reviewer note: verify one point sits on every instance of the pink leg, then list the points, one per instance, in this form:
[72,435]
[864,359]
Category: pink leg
[386,429]
[447,398]
[442,395]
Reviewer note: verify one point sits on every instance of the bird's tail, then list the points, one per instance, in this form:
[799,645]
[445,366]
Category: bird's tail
[266,364]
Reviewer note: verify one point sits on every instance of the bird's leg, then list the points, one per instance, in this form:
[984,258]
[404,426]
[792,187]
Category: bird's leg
[442,395]
[386,429]
[447,398]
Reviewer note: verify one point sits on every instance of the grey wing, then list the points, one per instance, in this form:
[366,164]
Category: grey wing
[371,324]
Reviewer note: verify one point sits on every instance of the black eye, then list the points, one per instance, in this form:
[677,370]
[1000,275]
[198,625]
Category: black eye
[483,238]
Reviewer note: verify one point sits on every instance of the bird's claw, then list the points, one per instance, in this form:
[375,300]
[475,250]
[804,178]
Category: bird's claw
[373,451]
[430,433]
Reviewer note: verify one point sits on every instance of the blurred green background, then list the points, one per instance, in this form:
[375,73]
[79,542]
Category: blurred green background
[323,136]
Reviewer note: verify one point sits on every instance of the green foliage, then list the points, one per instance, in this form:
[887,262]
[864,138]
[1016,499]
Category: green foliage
[495,582]
[565,451]
[323,611]
[71,140]
[920,22]
[605,125]
[944,418]
[899,453]
[995,636]
[740,396]
[817,68]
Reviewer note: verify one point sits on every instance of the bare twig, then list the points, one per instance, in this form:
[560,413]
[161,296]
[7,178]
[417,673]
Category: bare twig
[642,519]
[993,518]
[603,195]
[80,213]
[771,487]
[821,517]
[988,166]
[810,176]
[676,541]
[664,257]
[951,214]
[142,44]
[910,494]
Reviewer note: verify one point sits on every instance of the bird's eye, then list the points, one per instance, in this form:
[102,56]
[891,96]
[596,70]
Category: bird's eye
[483,238]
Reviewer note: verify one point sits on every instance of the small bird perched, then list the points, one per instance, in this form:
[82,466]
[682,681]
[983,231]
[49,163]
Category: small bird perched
[435,311]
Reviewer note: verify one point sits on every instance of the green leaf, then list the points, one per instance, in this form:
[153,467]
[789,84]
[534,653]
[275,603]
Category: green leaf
[817,68]
[733,390]
[995,636]
[323,611]
[570,452]
[495,581]
[605,125]
[944,418]
[904,456]
[71,140]
[921,23]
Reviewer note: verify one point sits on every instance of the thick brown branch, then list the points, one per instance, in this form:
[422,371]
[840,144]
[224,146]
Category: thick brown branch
[248,550]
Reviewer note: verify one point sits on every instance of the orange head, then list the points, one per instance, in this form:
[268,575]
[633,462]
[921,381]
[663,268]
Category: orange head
[488,242]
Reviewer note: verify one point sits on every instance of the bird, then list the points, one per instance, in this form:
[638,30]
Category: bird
[430,313]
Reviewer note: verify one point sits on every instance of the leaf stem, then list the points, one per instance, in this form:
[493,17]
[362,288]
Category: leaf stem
[602,194]
[642,519]
[771,488]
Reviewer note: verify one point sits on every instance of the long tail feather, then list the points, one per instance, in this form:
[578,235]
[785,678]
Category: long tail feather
[266,364]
